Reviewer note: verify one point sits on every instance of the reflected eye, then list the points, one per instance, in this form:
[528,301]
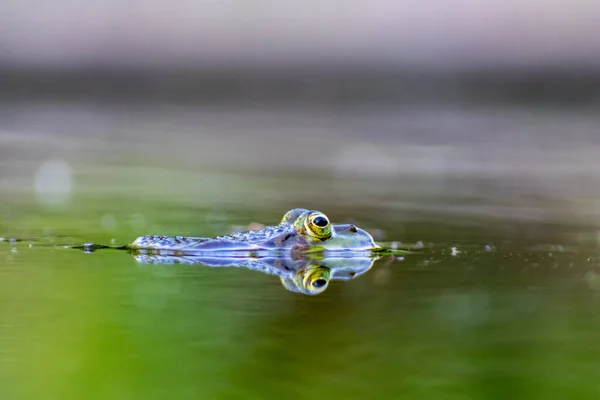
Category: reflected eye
[315,280]
[317,225]
[319,283]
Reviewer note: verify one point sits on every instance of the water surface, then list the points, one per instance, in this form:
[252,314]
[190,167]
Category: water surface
[499,300]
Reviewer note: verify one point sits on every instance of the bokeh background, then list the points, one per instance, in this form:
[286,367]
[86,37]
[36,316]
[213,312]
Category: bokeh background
[397,106]
[472,125]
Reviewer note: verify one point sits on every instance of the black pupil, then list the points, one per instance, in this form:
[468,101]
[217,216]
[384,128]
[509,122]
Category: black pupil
[320,221]
[319,283]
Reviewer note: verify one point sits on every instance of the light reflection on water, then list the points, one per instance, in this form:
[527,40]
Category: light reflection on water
[306,276]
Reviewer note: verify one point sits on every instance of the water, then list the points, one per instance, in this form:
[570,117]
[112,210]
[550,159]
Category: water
[498,300]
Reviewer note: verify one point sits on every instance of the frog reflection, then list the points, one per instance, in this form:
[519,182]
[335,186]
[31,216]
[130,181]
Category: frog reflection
[305,276]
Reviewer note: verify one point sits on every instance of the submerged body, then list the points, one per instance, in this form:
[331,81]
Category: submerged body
[300,230]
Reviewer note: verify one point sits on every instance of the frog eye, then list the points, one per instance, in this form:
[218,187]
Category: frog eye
[292,215]
[320,221]
[316,280]
[317,225]
[319,283]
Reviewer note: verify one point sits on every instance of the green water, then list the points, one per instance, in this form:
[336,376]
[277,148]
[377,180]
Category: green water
[485,324]
[511,312]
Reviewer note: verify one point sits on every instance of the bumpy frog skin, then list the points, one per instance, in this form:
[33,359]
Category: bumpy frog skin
[300,230]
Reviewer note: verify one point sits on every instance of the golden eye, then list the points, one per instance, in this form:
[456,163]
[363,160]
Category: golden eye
[316,280]
[318,225]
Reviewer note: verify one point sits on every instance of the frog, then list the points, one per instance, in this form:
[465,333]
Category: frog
[300,230]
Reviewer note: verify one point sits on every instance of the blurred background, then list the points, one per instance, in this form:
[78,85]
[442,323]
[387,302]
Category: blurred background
[461,123]
[396,106]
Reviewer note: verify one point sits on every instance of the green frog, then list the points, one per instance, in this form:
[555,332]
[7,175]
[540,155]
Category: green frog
[299,231]
[305,251]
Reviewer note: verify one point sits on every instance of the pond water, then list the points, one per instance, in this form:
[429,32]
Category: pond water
[498,299]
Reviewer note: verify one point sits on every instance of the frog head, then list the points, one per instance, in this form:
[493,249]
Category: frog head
[320,234]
